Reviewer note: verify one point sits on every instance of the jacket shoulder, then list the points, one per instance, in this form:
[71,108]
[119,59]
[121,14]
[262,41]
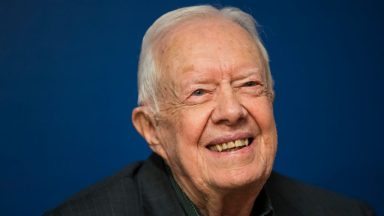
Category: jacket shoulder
[116,195]
[287,194]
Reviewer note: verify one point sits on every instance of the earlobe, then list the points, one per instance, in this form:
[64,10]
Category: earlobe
[144,123]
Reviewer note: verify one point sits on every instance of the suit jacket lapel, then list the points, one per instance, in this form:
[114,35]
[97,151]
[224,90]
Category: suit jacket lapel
[155,191]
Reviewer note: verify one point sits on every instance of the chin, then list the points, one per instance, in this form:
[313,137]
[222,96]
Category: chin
[239,178]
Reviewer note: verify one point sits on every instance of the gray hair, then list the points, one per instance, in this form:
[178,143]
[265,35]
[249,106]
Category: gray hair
[148,74]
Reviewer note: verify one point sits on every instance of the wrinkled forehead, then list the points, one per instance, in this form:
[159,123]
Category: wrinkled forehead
[187,43]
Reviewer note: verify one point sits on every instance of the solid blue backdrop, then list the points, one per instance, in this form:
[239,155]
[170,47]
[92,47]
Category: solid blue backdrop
[68,85]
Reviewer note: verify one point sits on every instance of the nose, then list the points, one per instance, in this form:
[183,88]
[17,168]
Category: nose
[228,110]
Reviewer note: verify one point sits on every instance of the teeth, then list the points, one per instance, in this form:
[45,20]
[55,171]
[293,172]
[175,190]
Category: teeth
[238,143]
[229,145]
[218,147]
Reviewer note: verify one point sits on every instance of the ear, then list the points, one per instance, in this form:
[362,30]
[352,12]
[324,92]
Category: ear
[144,122]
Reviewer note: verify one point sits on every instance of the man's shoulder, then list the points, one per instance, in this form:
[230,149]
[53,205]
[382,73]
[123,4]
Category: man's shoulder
[117,194]
[289,195]
[142,188]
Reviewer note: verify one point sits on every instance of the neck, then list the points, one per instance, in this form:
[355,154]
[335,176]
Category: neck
[215,202]
[236,203]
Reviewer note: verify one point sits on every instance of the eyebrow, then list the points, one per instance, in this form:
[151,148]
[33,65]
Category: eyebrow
[195,79]
[245,73]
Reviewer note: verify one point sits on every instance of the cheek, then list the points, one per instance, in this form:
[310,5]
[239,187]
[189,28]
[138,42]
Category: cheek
[189,150]
[261,110]
[180,137]
[192,123]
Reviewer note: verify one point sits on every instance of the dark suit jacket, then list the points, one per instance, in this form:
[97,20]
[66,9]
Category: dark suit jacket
[143,188]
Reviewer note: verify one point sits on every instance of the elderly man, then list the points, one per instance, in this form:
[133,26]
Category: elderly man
[206,111]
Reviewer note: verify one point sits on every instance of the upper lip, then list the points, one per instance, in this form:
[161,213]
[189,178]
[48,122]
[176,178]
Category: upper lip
[229,137]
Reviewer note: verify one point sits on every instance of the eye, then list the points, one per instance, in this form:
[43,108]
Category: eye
[199,92]
[250,83]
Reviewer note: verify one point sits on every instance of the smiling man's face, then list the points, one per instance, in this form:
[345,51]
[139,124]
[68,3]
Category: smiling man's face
[215,126]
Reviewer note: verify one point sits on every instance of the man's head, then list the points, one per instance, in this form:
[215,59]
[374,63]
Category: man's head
[205,95]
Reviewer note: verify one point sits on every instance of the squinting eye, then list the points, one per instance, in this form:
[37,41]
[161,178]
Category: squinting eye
[199,92]
[250,83]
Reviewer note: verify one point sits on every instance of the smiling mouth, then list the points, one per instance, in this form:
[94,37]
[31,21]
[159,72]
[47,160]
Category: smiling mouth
[231,145]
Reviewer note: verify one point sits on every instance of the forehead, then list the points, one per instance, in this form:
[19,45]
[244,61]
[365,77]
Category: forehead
[207,44]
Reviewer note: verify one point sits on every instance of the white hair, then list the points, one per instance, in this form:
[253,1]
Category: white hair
[149,70]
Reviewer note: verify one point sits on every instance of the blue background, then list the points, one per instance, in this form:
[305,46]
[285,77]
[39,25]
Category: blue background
[68,85]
